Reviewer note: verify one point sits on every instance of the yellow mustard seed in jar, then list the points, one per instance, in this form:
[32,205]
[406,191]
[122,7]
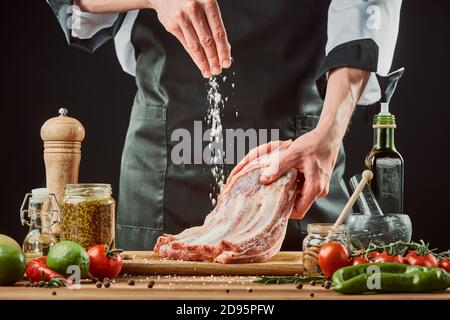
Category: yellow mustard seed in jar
[88,214]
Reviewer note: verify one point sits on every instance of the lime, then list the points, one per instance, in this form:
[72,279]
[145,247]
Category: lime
[65,254]
[8,240]
[12,264]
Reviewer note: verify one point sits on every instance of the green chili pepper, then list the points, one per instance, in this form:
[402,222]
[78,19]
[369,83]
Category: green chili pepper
[389,277]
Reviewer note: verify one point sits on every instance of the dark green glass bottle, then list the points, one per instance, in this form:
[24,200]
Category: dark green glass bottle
[387,165]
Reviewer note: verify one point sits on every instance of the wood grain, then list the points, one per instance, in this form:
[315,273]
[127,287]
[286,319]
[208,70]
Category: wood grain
[147,263]
[199,288]
[62,137]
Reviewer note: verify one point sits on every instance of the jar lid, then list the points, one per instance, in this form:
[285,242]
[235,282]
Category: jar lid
[40,194]
[324,228]
[88,190]
[62,128]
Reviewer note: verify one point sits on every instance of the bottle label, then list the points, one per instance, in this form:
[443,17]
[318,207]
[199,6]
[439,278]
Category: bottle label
[390,183]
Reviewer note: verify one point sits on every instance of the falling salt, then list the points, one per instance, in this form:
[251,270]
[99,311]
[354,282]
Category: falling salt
[213,119]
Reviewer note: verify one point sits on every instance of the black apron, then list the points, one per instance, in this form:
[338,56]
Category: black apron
[277,48]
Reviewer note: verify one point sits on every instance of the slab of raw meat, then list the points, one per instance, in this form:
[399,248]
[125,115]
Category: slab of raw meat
[248,223]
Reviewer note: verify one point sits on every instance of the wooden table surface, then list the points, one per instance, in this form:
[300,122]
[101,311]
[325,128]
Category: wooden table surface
[199,288]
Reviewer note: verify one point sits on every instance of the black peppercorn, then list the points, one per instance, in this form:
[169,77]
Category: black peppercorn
[313,283]
[299,285]
[131,282]
[41,284]
[151,284]
[54,293]
[327,285]
[249,290]
[312,295]
[99,284]
[107,284]
[94,280]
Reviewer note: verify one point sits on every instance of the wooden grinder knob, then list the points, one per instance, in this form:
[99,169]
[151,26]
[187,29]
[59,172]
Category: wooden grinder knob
[62,138]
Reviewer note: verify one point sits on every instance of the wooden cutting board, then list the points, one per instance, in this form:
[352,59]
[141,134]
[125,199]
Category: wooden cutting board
[148,263]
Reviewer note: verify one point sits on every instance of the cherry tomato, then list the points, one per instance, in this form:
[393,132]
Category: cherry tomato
[373,254]
[359,260]
[105,262]
[333,256]
[444,263]
[386,257]
[427,260]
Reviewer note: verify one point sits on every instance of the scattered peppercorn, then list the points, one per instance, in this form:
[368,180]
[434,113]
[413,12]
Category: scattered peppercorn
[151,284]
[227,291]
[327,285]
[106,280]
[94,280]
[99,284]
[313,283]
[41,284]
[249,290]
[107,284]
[131,282]
[54,293]
[312,295]
[299,285]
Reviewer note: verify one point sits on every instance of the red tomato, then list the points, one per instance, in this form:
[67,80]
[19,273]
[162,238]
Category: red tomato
[373,254]
[37,270]
[427,260]
[385,257]
[359,260]
[333,256]
[444,263]
[104,262]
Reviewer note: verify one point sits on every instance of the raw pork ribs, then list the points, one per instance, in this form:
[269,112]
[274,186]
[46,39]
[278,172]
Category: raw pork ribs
[248,223]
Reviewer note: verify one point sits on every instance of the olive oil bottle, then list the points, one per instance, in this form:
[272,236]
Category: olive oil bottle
[386,164]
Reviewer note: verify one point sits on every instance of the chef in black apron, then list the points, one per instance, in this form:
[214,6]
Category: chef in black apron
[288,55]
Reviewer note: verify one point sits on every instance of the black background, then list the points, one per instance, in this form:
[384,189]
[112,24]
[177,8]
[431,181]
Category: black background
[40,74]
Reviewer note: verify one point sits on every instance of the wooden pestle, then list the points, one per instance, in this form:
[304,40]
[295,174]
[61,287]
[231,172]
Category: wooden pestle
[367,175]
[62,138]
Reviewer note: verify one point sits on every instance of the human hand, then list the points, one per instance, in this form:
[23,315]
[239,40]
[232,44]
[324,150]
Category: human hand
[198,25]
[313,155]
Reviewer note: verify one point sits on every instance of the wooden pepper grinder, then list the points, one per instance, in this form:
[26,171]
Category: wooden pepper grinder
[62,138]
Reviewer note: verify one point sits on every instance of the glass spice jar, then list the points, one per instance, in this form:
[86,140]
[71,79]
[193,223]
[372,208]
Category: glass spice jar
[318,235]
[88,214]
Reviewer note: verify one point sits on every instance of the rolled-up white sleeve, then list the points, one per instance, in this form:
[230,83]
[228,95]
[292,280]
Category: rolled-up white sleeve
[87,31]
[361,34]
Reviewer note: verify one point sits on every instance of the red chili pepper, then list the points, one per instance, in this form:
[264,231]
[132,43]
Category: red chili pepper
[37,270]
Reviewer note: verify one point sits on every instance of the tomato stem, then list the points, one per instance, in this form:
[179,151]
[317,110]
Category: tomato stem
[110,252]
[397,248]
